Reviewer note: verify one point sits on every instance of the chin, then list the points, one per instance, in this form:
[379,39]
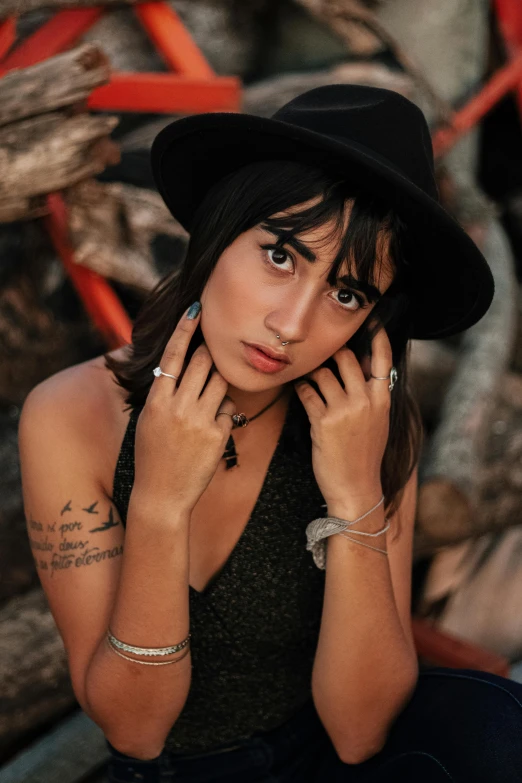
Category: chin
[249,380]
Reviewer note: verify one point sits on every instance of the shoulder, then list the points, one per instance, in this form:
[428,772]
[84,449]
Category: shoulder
[83,406]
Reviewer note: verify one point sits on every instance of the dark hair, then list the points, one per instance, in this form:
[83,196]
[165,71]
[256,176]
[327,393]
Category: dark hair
[253,195]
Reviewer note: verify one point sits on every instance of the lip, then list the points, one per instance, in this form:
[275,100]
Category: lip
[281,357]
[260,361]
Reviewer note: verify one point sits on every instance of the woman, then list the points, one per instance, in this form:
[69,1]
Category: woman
[266,568]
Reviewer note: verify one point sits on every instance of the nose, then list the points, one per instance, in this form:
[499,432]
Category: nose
[292,320]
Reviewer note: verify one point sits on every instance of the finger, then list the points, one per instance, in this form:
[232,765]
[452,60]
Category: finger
[329,386]
[174,355]
[213,393]
[312,402]
[381,363]
[351,372]
[225,423]
[195,376]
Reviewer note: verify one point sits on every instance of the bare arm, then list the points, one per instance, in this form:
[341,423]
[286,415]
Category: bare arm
[93,579]
[138,588]
[366,667]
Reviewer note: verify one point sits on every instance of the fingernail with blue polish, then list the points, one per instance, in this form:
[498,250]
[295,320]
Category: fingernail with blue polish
[193,310]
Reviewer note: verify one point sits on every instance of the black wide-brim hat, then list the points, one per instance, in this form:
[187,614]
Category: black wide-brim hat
[375,138]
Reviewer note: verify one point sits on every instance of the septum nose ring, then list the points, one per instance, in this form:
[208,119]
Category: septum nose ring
[282,343]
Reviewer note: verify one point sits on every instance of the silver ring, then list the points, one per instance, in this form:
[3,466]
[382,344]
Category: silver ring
[392,377]
[157,371]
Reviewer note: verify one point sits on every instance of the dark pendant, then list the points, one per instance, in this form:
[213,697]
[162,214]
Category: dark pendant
[240,420]
[230,454]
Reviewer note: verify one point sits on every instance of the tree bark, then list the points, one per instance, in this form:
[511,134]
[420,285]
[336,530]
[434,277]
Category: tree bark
[52,84]
[52,151]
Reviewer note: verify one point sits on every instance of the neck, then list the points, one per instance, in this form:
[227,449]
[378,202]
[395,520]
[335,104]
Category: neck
[250,403]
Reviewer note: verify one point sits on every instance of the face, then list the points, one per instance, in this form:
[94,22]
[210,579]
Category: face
[257,290]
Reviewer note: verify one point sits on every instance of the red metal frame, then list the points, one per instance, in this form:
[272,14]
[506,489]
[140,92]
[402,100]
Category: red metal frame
[163,27]
[7,35]
[164,92]
[506,79]
[509,17]
[438,648]
[55,36]
[100,301]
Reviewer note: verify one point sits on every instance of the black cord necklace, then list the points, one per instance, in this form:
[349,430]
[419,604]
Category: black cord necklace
[240,420]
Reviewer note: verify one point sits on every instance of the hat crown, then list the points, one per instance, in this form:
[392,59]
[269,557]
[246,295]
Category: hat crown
[382,121]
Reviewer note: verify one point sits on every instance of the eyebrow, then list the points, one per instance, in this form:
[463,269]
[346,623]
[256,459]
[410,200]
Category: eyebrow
[370,291]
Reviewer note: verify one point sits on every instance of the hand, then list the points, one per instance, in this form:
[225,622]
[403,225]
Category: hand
[179,437]
[350,431]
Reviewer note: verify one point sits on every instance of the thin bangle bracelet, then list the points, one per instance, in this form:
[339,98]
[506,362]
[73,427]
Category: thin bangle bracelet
[372,535]
[375,549]
[147,650]
[146,663]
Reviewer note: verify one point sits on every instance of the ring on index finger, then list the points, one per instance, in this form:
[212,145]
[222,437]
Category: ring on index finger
[392,377]
[157,371]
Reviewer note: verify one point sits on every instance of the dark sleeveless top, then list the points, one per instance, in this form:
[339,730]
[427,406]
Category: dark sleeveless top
[255,626]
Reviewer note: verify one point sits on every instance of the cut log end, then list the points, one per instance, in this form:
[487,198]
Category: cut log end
[91,57]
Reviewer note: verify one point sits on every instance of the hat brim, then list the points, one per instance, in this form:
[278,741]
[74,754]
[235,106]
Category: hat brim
[451,283]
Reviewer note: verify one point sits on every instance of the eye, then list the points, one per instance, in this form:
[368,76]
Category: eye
[277,256]
[351,300]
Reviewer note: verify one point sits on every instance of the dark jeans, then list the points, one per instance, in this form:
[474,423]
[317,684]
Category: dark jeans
[460,725]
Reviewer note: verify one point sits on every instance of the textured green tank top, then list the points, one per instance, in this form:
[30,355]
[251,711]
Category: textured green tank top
[254,629]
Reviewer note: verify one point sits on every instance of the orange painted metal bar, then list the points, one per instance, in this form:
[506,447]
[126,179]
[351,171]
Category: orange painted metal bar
[166,92]
[442,649]
[172,40]
[7,35]
[509,17]
[504,80]
[101,303]
[57,35]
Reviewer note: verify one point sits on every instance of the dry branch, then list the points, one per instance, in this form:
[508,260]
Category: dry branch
[112,226]
[59,81]
[51,152]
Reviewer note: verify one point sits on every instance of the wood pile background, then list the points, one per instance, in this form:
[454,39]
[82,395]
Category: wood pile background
[469,388]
